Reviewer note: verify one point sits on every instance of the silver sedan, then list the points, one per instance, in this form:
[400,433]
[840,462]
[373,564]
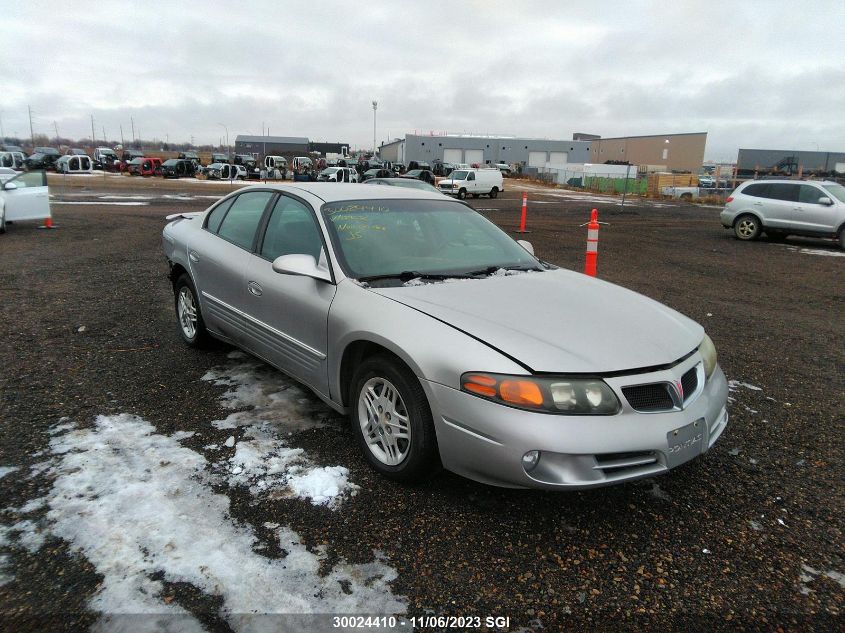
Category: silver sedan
[445,341]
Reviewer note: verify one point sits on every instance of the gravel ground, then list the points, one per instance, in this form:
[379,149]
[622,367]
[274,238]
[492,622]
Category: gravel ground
[750,536]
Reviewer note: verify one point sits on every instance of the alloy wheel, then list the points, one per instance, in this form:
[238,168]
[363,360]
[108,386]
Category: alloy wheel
[384,421]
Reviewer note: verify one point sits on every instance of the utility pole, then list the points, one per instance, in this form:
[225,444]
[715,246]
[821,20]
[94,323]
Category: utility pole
[121,136]
[31,133]
[56,127]
[105,140]
[375,106]
[132,120]
[2,133]
[93,136]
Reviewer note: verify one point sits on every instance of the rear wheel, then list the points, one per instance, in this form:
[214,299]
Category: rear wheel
[188,315]
[494,192]
[747,227]
[392,421]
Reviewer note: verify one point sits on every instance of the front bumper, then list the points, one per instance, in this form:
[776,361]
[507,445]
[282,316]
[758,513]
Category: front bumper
[485,441]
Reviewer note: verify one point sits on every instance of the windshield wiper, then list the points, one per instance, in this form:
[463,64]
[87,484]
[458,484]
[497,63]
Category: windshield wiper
[492,269]
[407,275]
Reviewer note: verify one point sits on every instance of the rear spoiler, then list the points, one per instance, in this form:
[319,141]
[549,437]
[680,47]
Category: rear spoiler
[182,216]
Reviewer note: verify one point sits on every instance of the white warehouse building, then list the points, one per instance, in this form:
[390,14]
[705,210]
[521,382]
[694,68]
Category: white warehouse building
[470,149]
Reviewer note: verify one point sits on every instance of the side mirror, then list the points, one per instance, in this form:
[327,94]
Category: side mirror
[526,245]
[825,200]
[302,265]
[9,186]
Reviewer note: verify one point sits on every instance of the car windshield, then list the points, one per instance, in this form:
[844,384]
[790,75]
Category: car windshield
[837,191]
[458,175]
[375,238]
[170,163]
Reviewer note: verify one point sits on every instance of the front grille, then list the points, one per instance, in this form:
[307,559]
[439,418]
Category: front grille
[621,465]
[689,381]
[649,398]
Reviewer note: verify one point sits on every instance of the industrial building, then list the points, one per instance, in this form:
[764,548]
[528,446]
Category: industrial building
[271,145]
[459,148]
[667,152]
[789,162]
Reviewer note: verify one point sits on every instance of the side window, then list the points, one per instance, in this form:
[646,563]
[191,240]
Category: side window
[292,230]
[31,179]
[759,190]
[244,215]
[216,216]
[810,194]
[471,176]
[784,191]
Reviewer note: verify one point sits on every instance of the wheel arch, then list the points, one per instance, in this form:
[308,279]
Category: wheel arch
[356,352]
[753,214]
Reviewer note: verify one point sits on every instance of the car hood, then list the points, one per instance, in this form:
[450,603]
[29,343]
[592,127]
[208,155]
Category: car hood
[558,321]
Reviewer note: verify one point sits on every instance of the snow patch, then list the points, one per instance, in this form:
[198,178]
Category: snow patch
[733,385]
[125,197]
[263,460]
[139,506]
[5,470]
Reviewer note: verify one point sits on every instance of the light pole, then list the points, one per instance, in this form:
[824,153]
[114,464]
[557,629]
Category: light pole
[375,107]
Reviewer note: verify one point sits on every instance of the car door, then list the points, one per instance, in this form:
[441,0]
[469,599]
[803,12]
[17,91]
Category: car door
[778,206]
[471,183]
[810,215]
[289,313]
[218,255]
[26,197]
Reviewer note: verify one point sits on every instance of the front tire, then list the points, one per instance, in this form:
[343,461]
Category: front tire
[188,315]
[462,194]
[747,227]
[392,421]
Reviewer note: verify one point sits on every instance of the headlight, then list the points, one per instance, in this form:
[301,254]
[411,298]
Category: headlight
[708,355]
[562,395]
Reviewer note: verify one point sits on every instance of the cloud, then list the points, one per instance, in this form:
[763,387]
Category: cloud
[748,74]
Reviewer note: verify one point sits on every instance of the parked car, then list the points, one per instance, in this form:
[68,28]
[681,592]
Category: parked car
[376,173]
[23,196]
[75,151]
[409,183]
[219,158]
[127,157]
[504,168]
[442,169]
[43,158]
[106,158]
[399,168]
[276,167]
[178,168]
[500,378]
[786,207]
[6,147]
[75,164]
[420,174]
[191,156]
[474,182]
[144,166]
[13,160]
[225,171]
[338,174]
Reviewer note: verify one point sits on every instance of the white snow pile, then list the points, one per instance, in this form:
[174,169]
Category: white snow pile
[139,507]
[816,251]
[808,575]
[5,470]
[733,385]
[264,461]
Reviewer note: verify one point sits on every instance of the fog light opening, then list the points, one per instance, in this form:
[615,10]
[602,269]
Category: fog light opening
[530,460]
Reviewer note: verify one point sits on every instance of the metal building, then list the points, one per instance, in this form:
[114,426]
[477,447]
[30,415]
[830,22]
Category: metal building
[669,152]
[271,145]
[788,162]
[459,148]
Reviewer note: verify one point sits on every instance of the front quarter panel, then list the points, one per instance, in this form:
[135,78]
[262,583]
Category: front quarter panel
[434,351]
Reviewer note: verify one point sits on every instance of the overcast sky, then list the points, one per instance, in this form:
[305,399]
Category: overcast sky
[750,74]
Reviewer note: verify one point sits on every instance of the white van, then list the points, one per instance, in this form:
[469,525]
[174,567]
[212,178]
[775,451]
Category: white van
[13,160]
[23,196]
[74,164]
[475,182]
[276,167]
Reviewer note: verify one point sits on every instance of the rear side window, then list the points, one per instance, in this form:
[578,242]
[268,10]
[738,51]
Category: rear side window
[758,190]
[216,216]
[244,215]
[783,191]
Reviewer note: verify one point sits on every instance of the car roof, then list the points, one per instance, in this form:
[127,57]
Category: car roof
[337,192]
[789,181]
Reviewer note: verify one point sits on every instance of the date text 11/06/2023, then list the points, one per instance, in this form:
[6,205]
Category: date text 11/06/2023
[422,622]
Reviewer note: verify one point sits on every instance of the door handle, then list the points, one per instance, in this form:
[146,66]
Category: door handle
[192,255]
[254,289]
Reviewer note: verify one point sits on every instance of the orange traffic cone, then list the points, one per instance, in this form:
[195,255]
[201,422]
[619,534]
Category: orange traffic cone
[48,223]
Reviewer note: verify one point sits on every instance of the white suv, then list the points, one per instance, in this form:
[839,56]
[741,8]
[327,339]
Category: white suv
[786,207]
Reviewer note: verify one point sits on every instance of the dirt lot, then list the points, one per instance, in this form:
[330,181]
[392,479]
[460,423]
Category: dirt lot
[750,536]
